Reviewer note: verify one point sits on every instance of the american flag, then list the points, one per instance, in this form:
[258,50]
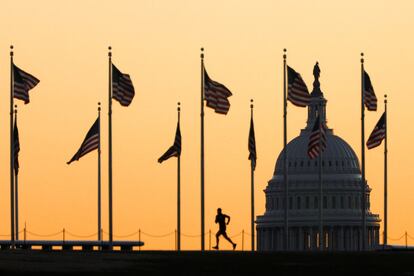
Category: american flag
[16,149]
[370,100]
[216,95]
[378,134]
[252,145]
[175,149]
[90,143]
[298,93]
[23,82]
[122,87]
[317,139]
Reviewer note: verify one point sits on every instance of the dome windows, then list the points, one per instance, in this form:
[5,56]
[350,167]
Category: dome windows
[331,200]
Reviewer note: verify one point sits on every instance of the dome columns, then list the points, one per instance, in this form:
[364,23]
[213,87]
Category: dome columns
[306,238]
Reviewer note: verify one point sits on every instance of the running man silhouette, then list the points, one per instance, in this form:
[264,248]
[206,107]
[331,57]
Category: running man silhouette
[221,220]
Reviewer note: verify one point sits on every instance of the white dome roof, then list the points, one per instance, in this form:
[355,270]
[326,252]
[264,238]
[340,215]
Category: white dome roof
[337,158]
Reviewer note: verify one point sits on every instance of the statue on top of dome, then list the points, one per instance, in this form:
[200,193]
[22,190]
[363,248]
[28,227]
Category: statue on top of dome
[316,71]
[316,85]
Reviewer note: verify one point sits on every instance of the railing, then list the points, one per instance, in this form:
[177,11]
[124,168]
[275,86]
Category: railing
[64,234]
[405,239]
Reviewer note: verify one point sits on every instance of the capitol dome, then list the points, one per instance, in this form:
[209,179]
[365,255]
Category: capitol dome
[336,182]
[340,158]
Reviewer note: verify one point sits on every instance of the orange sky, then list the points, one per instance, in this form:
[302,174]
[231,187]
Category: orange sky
[64,44]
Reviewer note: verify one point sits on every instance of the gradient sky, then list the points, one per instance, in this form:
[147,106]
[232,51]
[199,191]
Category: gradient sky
[64,44]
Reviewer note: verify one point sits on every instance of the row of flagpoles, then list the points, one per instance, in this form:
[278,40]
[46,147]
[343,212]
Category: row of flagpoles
[215,95]
[120,88]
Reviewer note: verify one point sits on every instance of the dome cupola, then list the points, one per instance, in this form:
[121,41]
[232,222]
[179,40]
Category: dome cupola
[338,157]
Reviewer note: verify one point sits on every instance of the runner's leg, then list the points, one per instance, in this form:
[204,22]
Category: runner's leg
[227,238]
[217,238]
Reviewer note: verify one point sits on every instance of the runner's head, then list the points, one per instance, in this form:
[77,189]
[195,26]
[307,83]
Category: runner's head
[219,211]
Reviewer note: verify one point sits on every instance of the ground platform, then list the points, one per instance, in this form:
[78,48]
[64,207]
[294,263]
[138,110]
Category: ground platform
[390,262]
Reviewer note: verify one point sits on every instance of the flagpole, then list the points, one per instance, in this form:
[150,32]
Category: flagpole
[321,234]
[11,149]
[363,200]
[178,190]
[252,186]
[110,145]
[17,205]
[99,174]
[202,149]
[385,175]
[16,182]
[285,176]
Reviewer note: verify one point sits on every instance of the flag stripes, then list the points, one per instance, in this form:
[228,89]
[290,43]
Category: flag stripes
[16,147]
[90,143]
[23,82]
[175,149]
[317,139]
[298,93]
[252,145]
[216,95]
[370,100]
[122,88]
[378,133]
